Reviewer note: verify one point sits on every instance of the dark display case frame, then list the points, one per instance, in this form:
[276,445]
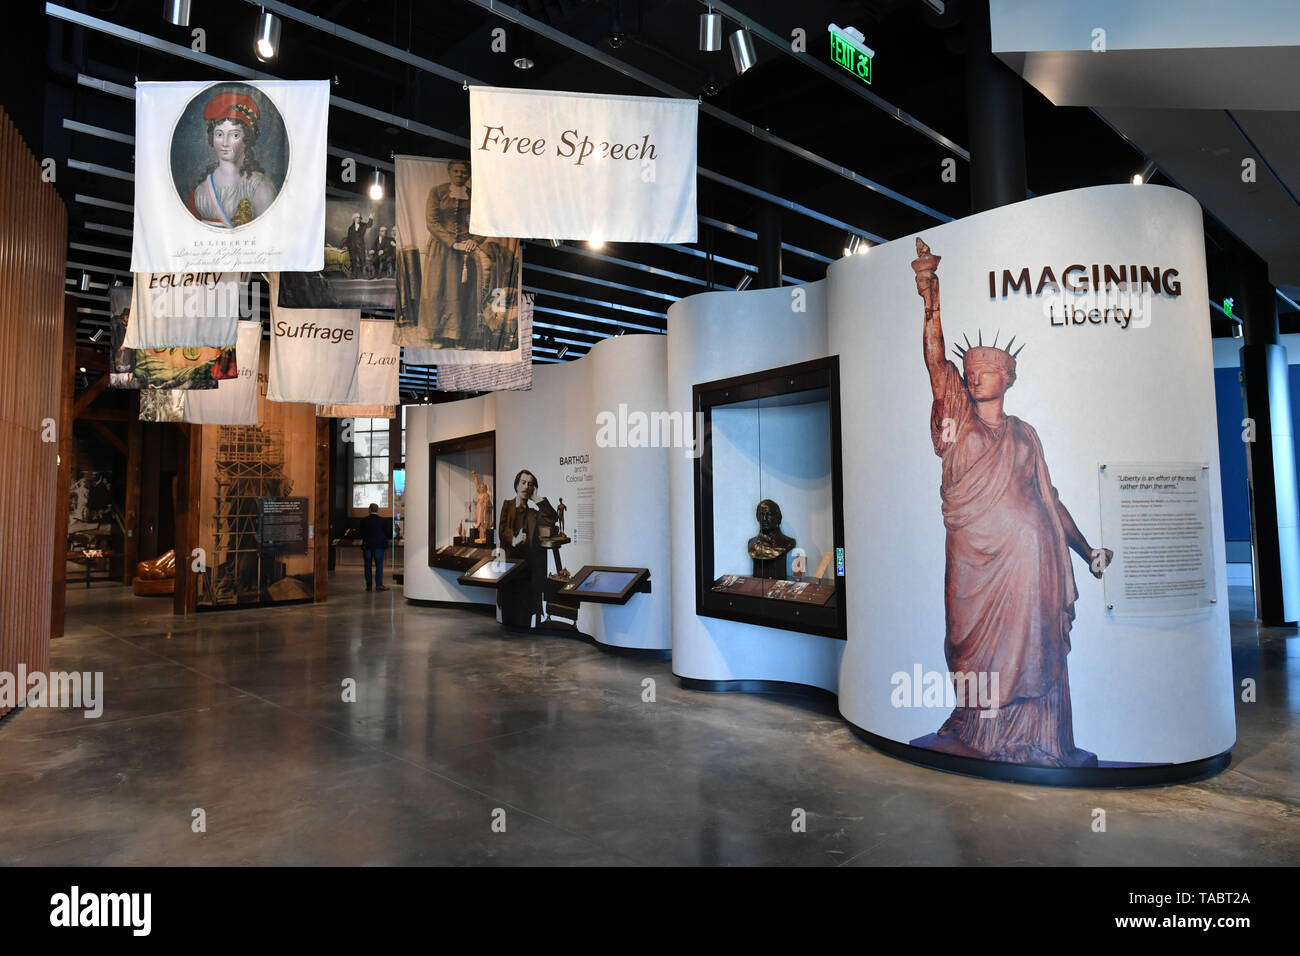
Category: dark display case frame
[827,621]
[469,555]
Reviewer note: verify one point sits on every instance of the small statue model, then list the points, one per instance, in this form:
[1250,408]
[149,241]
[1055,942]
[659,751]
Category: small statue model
[559,515]
[769,547]
[482,508]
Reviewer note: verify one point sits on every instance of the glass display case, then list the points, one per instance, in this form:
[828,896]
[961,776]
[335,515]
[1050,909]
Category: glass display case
[769,513]
[462,500]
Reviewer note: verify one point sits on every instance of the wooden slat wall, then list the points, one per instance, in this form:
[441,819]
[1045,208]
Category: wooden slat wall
[33,247]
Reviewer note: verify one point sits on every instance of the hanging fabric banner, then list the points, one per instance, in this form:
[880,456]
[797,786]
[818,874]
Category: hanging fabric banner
[498,377]
[456,291]
[121,369]
[234,400]
[617,168]
[184,309]
[176,368]
[360,260]
[230,177]
[377,363]
[314,353]
[162,405]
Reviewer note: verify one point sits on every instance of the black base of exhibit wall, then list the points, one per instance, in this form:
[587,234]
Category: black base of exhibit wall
[454,605]
[1133,775]
[638,653]
[779,688]
[1129,775]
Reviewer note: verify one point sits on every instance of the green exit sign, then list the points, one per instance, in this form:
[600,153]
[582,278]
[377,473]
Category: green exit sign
[849,50]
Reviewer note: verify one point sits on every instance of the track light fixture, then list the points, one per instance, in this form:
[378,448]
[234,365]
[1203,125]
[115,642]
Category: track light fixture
[177,12]
[744,282]
[267,42]
[710,32]
[711,86]
[99,333]
[854,244]
[742,51]
[1146,173]
[377,186]
[523,47]
[555,243]
[564,350]
[85,282]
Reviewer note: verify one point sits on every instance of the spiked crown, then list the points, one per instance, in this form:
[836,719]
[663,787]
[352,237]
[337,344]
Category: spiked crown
[980,355]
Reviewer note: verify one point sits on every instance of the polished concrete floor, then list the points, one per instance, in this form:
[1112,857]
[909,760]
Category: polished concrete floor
[455,723]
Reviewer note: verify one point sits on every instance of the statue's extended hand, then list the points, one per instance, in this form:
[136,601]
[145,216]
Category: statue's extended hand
[927,287]
[1101,558]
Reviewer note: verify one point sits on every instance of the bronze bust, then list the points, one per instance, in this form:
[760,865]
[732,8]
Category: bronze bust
[769,547]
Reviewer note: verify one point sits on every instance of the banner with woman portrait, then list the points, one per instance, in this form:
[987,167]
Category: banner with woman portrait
[456,292]
[229,177]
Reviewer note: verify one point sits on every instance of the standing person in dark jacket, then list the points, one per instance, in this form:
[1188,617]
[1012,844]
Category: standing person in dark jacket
[375,532]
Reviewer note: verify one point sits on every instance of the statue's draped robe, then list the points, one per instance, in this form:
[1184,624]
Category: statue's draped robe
[1009,587]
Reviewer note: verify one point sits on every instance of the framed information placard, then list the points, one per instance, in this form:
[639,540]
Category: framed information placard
[282,525]
[599,584]
[492,572]
[1155,516]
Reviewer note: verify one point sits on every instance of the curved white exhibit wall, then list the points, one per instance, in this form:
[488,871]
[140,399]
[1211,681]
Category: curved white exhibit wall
[615,498]
[629,376]
[1149,683]
[712,336]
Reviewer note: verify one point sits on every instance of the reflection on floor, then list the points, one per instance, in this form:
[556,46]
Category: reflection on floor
[241,714]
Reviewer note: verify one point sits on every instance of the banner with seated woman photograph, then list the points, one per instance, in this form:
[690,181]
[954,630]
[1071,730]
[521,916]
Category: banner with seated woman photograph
[229,176]
[456,292]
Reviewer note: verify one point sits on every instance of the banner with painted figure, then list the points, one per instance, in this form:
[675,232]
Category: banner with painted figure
[617,168]
[456,290]
[378,359]
[314,353]
[121,360]
[229,177]
[198,367]
[177,368]
[496,377]
[234,400]
[184,310]
[360,260]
